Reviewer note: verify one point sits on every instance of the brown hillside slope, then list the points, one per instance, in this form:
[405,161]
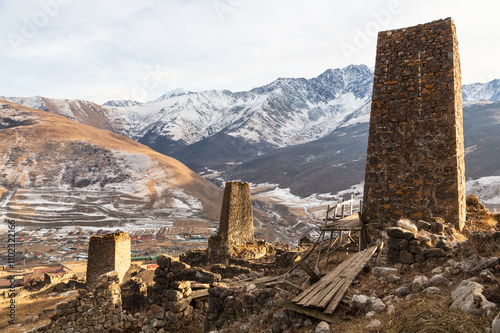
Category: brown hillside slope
[55,170]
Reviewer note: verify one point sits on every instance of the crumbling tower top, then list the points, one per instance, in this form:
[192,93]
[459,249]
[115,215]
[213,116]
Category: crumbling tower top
[236,219]
[106,254]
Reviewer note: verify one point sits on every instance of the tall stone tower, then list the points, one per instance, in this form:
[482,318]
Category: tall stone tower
[236,218]
[108,253]
[236,222]
[415,160]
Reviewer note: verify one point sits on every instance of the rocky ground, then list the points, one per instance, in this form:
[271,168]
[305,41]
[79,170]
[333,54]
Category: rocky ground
[455,291]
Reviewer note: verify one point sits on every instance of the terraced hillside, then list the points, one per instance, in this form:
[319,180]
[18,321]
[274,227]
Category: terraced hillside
[56,171]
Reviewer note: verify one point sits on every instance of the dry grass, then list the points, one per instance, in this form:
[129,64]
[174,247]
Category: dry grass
[30,306]
[432,314]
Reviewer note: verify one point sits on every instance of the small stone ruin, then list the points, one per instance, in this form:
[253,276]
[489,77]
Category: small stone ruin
[236,222]
[108,253]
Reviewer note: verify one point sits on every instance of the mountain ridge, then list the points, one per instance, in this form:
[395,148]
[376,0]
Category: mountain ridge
[226,131]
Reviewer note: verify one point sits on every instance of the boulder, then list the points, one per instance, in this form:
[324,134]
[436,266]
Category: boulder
[403,291]
[397,232]
[487,276]
[358,302]
[438,279]
[384,271]
[322,327]
[422,225]
[433,253]
[495,325]
[474,264]
[431,291]
[393,279]
[468,297]
[370,315]
[407,224]
[374,324]
[375,304]
[177,266]
[419,283]
[164,261]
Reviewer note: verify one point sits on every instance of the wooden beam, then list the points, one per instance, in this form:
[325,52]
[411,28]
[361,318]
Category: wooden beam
[351,275]
[307,269]
[307,255]
[379,255]
[307,311]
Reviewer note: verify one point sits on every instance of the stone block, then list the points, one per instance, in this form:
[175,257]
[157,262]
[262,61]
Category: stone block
[406,257]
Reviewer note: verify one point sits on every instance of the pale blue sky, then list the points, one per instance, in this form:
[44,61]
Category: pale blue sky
[116,49]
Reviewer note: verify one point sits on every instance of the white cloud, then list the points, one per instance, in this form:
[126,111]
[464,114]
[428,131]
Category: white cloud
[100,50]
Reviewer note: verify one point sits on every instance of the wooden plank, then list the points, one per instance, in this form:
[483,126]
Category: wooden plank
[197,294]
[352,275]
[307,255]
[352,271]
[335,281]
[314,277]
[323,298]
[318,286]
[264,279]
[307,311]
[292,284]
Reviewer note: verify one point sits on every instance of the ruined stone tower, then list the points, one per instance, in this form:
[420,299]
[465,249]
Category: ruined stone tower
[415,159]
[108,253]
[236,222]
[236,217]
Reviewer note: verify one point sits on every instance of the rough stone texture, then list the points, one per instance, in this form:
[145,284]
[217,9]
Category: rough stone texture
[495,325]
[468,297]
[322,327]
[97,311]
[134,295]
[415,159]
[227,306]
[358,302]
[384,271]
[108,253]
[236,223]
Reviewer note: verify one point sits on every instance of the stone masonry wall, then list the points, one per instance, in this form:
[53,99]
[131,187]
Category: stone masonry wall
[108,253]
[97,311]
[236,220]
[415,159]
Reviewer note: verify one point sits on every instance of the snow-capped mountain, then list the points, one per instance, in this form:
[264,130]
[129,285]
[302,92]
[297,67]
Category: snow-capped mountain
[285,112]
[291,126]
[172,93]
[81,111]
[122,103]
[489,91]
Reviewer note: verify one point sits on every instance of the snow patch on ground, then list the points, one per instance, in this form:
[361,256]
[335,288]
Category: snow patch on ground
[486,188]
